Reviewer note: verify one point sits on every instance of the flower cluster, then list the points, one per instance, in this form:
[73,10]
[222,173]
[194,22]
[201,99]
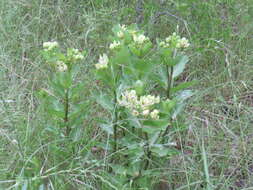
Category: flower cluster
[140,39]
[48,46]
[120,33]
[114,45]
[61,66]
[75,54]
[174,41]
[134,39]
[140,105]
[136,36]
[102,62]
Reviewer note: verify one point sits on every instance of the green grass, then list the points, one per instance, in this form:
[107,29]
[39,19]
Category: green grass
[217,148]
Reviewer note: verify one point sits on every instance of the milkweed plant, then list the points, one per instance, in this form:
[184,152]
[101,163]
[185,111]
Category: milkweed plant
[61,97]
[140,92]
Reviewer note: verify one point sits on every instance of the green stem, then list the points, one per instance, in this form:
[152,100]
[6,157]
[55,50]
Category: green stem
[115,122]
[170,80]
[170,85]
[165,132]
[66,112]
[115,119]
[148,153]
[170,71]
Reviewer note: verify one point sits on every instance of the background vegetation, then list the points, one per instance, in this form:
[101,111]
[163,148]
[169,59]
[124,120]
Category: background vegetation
[216,151]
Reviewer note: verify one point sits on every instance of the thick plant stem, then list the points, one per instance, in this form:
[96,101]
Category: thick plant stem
[170,80]
[148,153]
[170,85]
[115,123]
[115,138]
[170,71]
[66,112]
[166,132]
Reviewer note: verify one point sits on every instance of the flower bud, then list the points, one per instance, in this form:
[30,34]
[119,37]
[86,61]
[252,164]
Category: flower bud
[154,114]
[139,87]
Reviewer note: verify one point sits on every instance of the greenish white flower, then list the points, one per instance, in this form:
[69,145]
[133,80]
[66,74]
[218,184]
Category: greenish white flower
[149,100]
[174,41]
[78,57]
[123,27]
[139,106]
[75,54]
[114,45]
[183,43]
[132,32]
[135,113]
[120,34]
[61,66]
[140,39]
[162,44]
[129,99]
[145,113]
[102,62]
[154,114]
[75,51]
[50,45]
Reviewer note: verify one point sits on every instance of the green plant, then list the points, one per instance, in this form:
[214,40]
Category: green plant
[220,114]
[61,100]
[64,110]
[140,122]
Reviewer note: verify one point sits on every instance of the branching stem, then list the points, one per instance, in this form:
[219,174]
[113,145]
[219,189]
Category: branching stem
[66,112]
[148,153]
[170,80]
[115,123]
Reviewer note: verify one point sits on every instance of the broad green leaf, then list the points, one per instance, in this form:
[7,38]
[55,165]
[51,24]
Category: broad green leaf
[154,138]
[178,110]
[134,151]
[55,108]
[135,50]
[146,48]
[183,86]
[170,61]
[55,113]
[179,67]
[152,126]
[161,77]
[168,105]
[79,111]
[77,91]
[160,150]
[166,55]
[105,75]
[122,57]
[134,122]
[105,101]
[65,79]
[183,95]
[59,90]
[142,67]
